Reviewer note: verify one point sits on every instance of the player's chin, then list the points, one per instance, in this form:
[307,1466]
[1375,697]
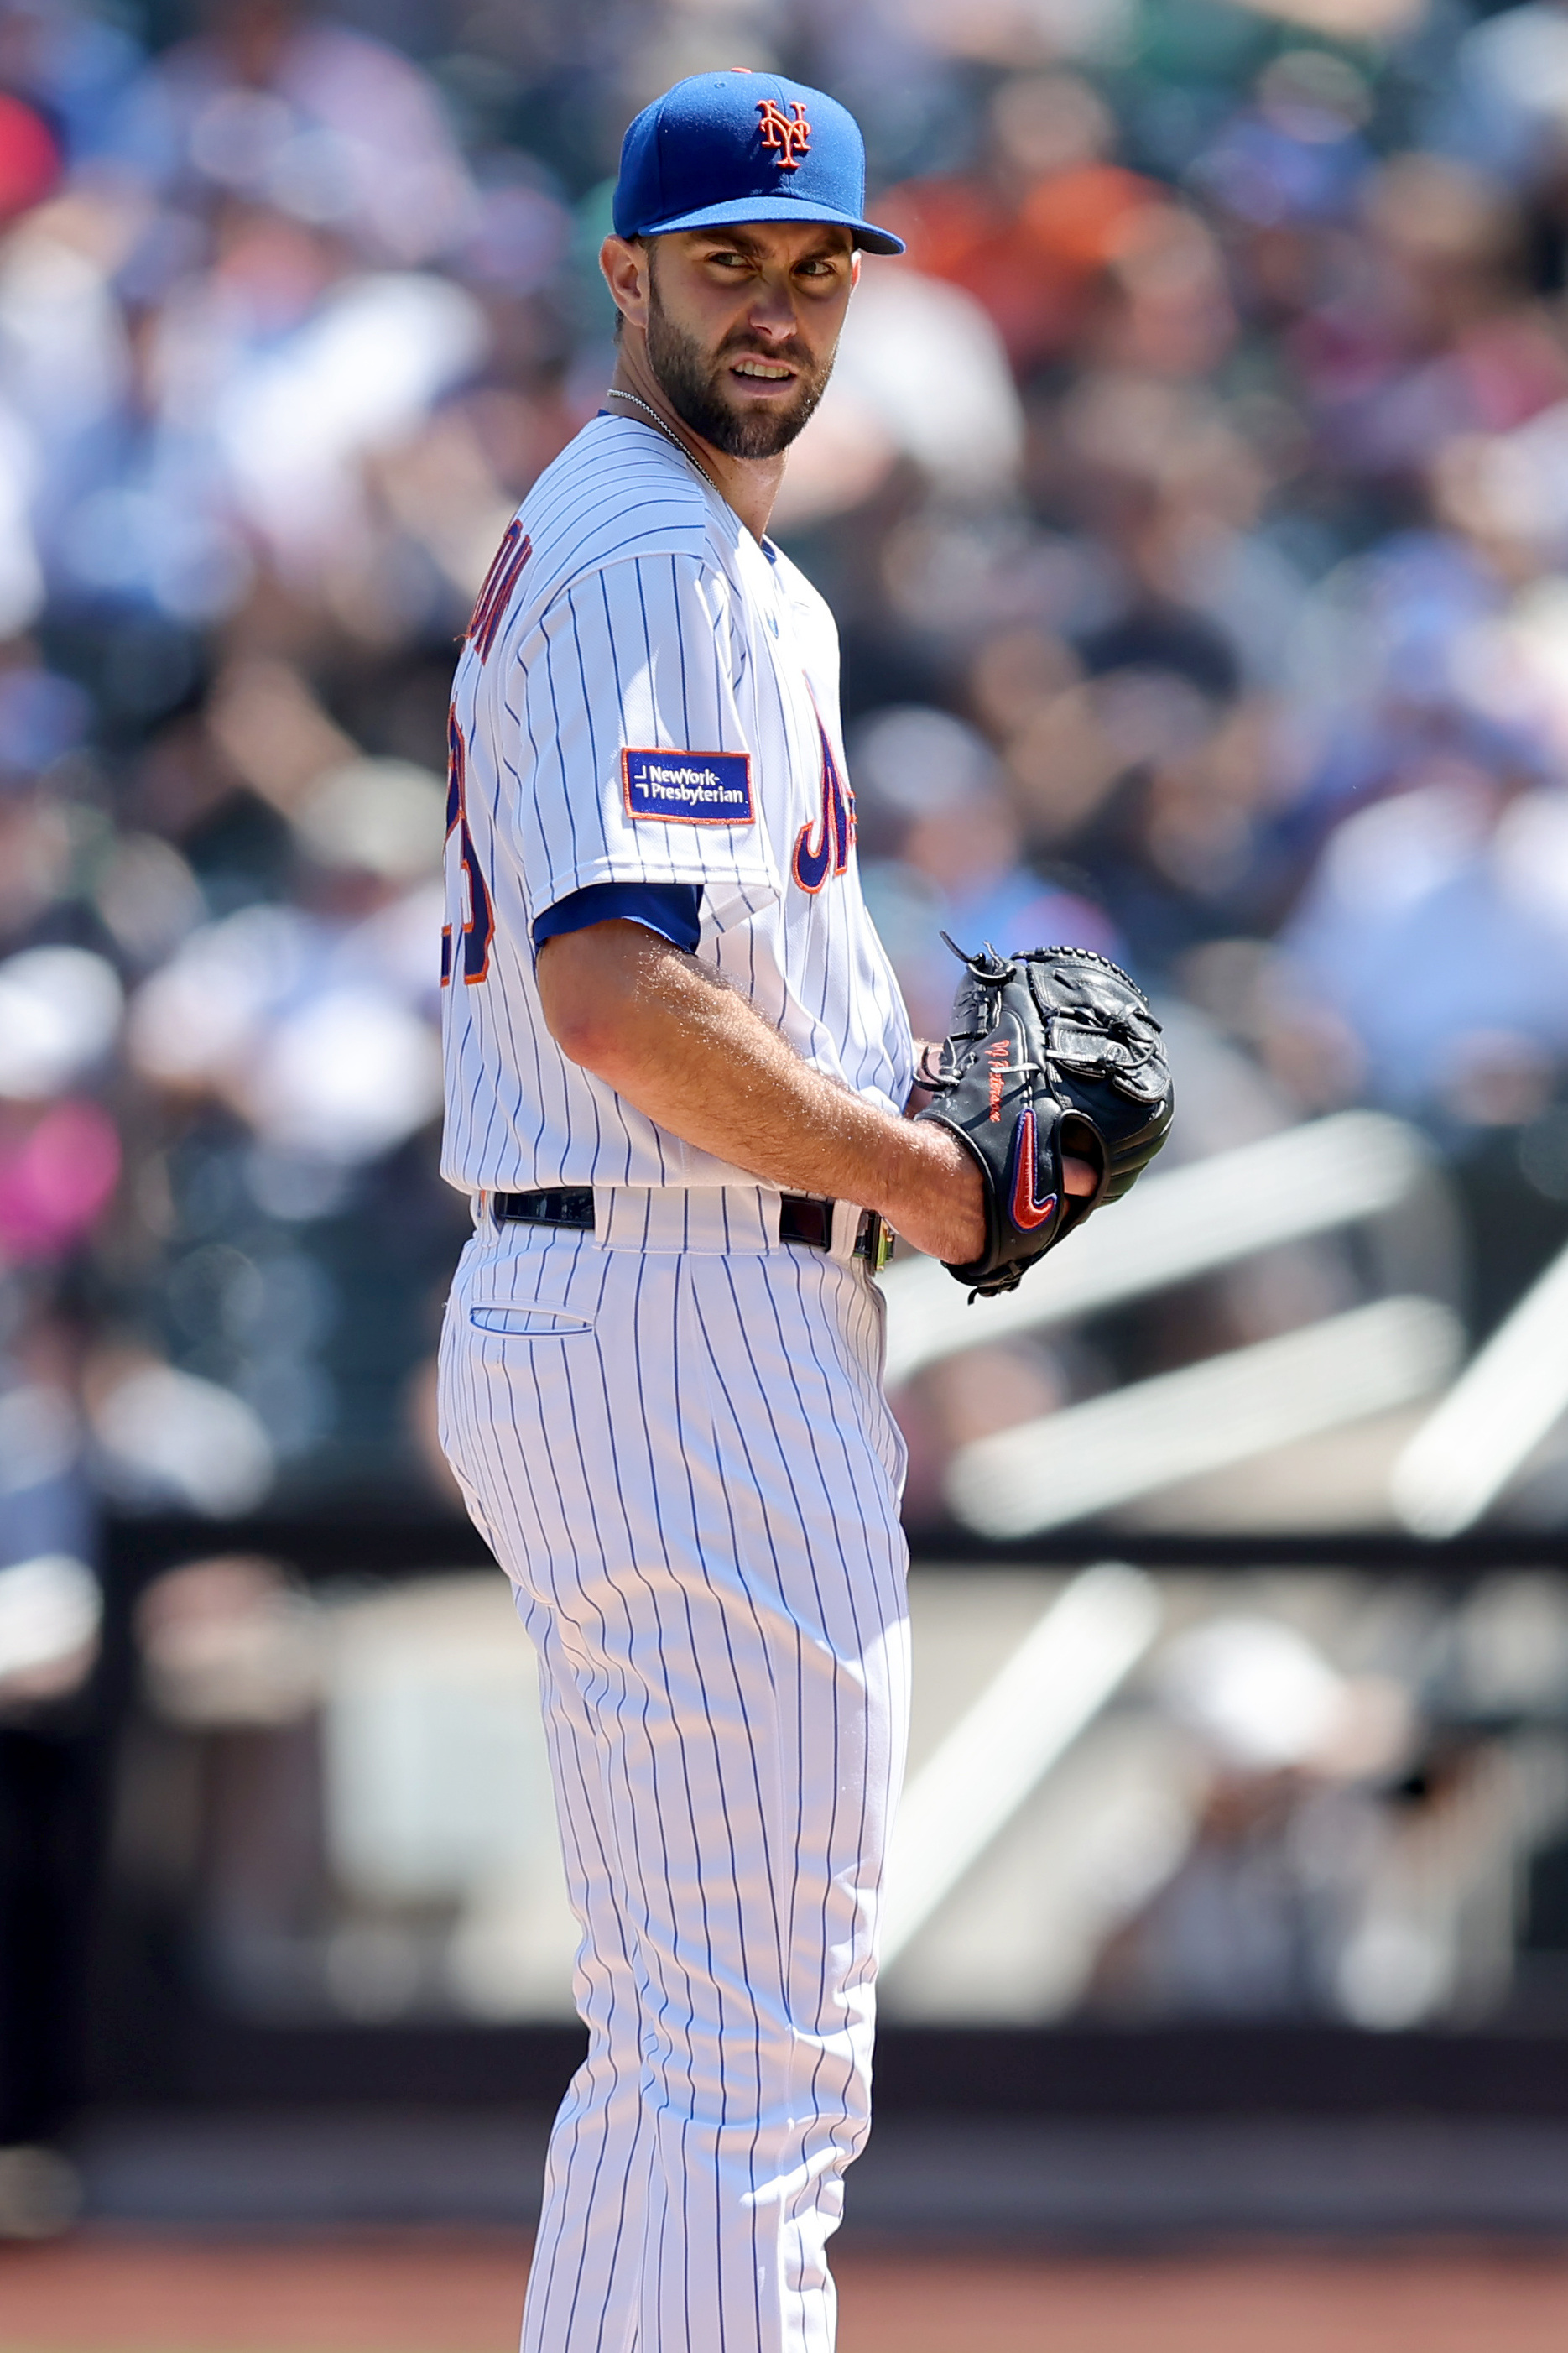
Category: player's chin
[762,423]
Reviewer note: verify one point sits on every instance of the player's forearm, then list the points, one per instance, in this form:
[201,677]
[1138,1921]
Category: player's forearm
[694,1056]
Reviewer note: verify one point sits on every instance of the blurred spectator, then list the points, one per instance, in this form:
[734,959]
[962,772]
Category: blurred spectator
[1435,334]
[30,160]
[1435,932]
[1505,109]
[273,106]
[1195,500]
[1030,230]
[1328,1873]
[1291,160]
[929,791]
[1192,497]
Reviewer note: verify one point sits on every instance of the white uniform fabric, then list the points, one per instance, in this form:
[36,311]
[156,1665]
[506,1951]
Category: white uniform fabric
[644,616]
[671,1430]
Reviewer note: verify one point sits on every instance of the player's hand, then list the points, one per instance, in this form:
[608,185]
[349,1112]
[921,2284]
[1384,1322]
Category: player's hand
[941,1209]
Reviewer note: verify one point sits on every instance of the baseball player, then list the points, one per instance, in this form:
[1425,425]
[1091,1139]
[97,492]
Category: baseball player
[676,1064]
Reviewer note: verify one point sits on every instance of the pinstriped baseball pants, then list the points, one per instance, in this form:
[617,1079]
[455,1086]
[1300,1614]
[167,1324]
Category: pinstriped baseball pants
[673,1433]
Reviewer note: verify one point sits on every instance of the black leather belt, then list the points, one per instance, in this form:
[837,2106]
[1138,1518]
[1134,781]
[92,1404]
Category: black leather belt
[803,1217]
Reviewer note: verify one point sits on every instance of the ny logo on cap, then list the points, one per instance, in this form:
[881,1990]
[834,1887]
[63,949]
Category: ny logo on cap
[789,135]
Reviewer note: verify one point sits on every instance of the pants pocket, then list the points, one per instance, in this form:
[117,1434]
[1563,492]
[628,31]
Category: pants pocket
[531,1322]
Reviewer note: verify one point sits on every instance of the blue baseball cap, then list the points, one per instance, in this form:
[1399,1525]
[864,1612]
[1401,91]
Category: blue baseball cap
[744,146]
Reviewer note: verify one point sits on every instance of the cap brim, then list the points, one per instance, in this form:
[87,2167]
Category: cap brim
[775,208]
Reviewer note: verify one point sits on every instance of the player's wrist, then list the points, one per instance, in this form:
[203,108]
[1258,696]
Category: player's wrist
[936,1199]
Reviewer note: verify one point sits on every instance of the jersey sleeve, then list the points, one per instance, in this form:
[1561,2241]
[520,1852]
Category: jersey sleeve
[673,910]
[628,749]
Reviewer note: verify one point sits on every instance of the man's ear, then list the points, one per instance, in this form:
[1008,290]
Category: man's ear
[625,264]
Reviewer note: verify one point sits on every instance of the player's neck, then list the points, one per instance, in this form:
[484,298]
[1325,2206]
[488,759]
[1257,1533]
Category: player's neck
[748,484]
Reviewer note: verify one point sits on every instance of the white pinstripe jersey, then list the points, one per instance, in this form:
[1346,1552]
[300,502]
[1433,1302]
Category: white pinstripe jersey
[645,695]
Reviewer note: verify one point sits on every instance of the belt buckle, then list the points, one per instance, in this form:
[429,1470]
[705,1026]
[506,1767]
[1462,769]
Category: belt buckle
[874,1242]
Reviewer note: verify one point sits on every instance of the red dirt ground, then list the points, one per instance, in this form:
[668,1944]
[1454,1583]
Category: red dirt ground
[414,2295]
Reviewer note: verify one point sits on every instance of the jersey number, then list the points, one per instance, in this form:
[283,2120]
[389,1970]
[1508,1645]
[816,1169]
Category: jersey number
[814,860]
[480,927]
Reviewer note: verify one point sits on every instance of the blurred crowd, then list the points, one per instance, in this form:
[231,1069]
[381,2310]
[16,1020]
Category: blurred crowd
[1311,1798]
[1193,499]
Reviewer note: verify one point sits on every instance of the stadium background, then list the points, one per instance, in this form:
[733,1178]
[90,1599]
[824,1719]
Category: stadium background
[1194,500]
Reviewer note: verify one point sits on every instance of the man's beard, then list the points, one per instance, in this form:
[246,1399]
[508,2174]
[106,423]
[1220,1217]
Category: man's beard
[693,382]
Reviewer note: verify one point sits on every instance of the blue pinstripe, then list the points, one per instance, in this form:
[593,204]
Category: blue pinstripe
[694,1487]
[637,620]
[719,1614]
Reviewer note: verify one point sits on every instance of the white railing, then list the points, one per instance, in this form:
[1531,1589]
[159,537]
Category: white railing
[1496,1414]
[1054,1684]
[1210,1214]
[1042,1475]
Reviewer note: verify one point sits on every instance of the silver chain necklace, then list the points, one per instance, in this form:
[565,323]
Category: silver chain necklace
[657,421]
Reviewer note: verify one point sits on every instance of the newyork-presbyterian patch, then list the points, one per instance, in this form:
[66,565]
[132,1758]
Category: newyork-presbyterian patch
[688,788]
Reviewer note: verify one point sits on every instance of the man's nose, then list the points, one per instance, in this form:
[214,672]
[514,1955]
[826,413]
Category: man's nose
[772,310]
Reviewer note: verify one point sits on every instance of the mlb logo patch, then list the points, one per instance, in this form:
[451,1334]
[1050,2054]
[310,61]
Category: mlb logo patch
[688,788]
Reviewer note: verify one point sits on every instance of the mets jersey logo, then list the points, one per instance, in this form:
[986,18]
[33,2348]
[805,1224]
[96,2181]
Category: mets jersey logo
[787,135]
[688,788]
[496,595]
[834,828]
[1024,1205]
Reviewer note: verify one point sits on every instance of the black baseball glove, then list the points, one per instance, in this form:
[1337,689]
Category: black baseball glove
[1051,1053]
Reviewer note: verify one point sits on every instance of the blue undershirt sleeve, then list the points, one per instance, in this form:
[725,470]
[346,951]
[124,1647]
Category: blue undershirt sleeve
[673,910]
